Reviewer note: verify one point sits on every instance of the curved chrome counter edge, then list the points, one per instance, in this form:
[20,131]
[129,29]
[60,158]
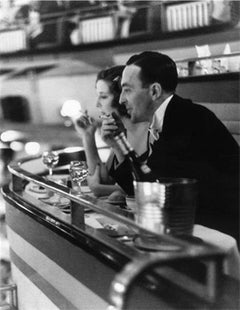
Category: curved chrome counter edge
[137,261]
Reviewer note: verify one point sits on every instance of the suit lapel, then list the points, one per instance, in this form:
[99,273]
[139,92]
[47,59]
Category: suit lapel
[176,133]
[172,115]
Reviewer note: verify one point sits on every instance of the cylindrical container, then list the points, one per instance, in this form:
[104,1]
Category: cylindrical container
[167,207]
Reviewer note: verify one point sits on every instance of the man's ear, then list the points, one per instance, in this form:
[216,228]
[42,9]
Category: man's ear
[155,91]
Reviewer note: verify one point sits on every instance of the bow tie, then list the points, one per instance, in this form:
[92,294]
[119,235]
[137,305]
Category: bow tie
[153,134]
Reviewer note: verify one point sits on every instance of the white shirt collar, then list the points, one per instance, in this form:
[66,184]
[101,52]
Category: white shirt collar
[157,122]
[158,116]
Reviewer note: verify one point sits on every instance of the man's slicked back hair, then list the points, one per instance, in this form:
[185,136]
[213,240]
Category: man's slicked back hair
[156,67]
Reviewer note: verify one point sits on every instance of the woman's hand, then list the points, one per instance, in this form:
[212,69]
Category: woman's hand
[85,125]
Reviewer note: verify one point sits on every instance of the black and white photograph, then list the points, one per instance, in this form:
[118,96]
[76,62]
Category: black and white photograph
[119,154]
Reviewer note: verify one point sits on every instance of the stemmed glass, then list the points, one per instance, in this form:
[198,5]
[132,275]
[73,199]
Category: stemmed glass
[50,159]
[78,173]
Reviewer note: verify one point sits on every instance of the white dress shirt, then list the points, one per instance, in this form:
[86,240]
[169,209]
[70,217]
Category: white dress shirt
[157,122]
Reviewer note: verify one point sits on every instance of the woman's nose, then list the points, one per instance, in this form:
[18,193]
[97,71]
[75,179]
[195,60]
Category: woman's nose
[98,104]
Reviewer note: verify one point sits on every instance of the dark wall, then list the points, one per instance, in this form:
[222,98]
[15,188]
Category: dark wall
[15,109]
[222,88]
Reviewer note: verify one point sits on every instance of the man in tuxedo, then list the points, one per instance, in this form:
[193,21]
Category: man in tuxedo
[185,140]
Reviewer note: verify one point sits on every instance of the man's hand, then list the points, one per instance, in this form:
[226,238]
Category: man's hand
[108,130]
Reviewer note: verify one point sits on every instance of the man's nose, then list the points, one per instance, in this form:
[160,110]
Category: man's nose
[122,98]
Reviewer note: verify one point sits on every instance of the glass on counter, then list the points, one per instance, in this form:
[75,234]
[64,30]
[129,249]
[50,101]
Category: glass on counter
[78,172]
[50,159]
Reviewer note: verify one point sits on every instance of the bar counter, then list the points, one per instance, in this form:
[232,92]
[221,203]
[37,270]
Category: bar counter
[64,260]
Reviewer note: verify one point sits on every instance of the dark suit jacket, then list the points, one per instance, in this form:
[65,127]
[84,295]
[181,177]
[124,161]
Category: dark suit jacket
[195,144]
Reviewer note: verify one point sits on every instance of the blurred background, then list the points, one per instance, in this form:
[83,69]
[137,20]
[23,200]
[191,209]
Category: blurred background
[51,51]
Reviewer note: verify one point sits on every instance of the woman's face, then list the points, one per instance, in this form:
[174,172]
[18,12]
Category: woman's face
[104,97]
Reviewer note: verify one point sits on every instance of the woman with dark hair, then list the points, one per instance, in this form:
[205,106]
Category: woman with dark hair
[108,92]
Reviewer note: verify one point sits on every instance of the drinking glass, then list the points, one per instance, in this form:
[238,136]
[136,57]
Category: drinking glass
[78,173]
[50,159]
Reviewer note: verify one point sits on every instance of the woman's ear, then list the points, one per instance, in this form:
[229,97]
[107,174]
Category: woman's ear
[155,91]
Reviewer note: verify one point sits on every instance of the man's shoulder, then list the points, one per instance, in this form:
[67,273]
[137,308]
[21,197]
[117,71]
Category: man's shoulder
[178,102]
[184,113]
[188,106]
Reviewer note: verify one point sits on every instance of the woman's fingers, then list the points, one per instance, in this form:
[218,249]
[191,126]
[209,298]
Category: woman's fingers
[83,122]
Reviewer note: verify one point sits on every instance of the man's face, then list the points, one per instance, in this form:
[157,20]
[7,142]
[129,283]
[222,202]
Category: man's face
[136,98]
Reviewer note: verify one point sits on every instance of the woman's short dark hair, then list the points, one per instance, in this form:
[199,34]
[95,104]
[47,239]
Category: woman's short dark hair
[113,76]
[156,67]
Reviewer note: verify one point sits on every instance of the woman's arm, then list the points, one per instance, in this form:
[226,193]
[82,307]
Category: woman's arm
[104,190]
[86,128]
[91,152]
[99,189]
